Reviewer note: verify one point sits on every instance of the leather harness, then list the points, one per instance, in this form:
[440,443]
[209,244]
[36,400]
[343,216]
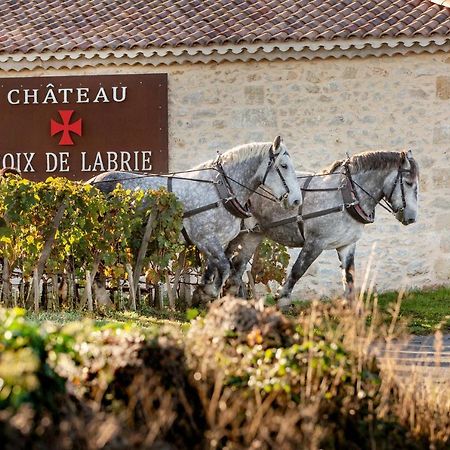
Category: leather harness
[351,204]
[226,194]
[227,197]
[350,197]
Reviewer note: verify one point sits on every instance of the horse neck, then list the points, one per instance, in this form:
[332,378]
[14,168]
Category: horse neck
[244,172]
[371,181]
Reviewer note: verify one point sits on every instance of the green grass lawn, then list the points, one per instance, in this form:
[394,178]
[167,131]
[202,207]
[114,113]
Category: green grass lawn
[423,310]
[146,318]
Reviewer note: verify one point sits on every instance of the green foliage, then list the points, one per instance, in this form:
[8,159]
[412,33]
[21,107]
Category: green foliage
[93,227]
[236,378]
[25,372]
[270,262]
[164,245]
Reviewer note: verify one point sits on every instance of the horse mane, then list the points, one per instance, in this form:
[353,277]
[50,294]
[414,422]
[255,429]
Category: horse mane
[241,153]
[7,170]
[375,160]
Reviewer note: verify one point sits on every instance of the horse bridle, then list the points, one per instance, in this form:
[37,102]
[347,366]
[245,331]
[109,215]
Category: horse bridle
[271,165]
[387,199]
[398,178]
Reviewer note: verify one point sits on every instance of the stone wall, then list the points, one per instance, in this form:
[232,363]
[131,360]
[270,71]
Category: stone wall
[323,109]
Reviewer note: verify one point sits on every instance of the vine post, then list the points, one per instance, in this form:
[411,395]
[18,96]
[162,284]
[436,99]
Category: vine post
[6,283]
[132,292]
[38,271]
[88,291]
[143,250]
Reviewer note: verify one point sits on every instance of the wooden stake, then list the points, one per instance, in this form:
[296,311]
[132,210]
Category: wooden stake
[36,289]
[88,291]
[6,280]
[42,261]
[143,250]
[131,284]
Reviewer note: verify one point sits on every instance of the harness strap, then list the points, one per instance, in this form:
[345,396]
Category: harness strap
[321,189]
[304,189]
[398,178]
[299,218]
[226,194]
[270,165]
[200,209]
[169,183]
[351,199]
[186,236]
[324,212]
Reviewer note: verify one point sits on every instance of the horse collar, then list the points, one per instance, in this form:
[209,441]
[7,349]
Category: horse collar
[227,196]
[351,199]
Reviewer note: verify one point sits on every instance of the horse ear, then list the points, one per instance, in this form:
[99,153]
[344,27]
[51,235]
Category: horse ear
[276,143]
[409,154]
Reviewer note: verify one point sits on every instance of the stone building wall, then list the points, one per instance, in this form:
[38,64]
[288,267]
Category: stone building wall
[323,109]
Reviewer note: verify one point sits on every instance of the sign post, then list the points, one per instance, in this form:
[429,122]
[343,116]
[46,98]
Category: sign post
[80,126]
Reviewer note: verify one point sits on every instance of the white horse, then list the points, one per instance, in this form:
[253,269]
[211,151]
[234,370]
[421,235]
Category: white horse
[214,195]
[336,206]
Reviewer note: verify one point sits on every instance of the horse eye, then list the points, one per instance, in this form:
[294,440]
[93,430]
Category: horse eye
[284,166]
[408,183]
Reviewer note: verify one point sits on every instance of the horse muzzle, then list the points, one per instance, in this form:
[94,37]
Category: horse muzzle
[406,219]
[289,201]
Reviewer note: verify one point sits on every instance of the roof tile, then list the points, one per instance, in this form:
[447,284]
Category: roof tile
[54,25]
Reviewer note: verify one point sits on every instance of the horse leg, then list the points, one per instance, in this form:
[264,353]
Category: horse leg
[210,273]
[218,265]
[309,253]
[239,252]
[347,258]
[198,296]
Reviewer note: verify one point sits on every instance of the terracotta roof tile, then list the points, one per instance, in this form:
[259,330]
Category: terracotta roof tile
[53,25]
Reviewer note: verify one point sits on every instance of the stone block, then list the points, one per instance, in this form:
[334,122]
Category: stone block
[442,268]
[254,95]
[441,178]
[255,118]
[443,88]
[441,135]
[350,73]
[442,222]
[445,244]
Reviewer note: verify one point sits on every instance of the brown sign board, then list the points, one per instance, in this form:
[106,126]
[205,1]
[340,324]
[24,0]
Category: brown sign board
[80,126]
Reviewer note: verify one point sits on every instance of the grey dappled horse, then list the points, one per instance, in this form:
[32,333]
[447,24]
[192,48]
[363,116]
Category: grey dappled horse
[213,195]
[336,206]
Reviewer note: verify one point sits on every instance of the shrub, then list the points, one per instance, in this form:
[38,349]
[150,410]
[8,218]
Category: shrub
[244,377]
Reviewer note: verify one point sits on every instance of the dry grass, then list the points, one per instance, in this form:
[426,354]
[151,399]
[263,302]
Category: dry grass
[329,393]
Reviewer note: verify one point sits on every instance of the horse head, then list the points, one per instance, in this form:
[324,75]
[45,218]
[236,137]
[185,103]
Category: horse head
[401,189]
[278,174]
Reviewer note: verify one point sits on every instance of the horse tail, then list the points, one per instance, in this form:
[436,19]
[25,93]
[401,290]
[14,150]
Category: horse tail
[7,170]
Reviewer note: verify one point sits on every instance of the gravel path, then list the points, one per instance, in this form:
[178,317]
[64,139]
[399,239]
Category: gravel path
[422,357]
